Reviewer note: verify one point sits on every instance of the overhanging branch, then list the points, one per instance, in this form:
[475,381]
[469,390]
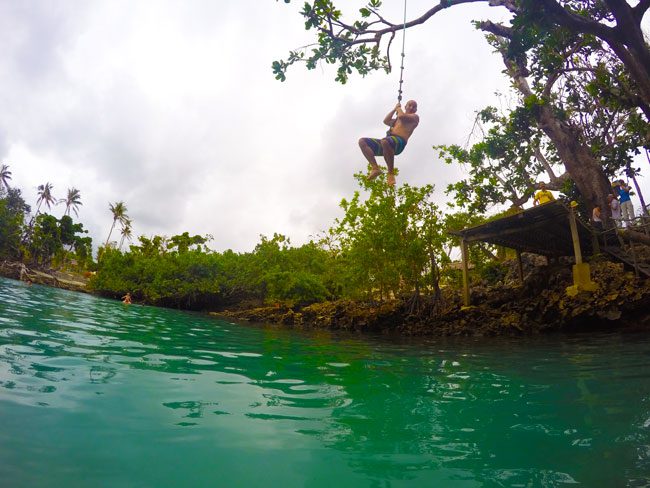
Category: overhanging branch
[496,29]
[640,10]
[576,22]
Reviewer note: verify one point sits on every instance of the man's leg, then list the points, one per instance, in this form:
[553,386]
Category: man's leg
[625,211]
[370,156]
[389,157]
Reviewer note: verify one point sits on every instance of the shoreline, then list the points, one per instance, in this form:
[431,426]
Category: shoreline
[538,306]
[57,279]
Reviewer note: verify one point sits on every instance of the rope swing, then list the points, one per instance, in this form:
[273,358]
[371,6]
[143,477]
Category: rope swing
[401,72]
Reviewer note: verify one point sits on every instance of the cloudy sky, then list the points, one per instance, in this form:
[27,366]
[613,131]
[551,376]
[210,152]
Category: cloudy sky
[171,107]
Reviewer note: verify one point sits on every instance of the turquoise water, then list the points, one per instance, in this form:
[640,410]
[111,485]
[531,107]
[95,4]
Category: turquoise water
[94,393]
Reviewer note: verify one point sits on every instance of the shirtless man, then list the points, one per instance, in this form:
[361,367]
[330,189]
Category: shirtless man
[402,123]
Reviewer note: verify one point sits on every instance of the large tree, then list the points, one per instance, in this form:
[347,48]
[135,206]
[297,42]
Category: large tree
[616,22]
[364,45]
[361,45]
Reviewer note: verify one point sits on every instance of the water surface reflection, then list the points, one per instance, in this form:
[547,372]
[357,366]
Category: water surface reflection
[297,408]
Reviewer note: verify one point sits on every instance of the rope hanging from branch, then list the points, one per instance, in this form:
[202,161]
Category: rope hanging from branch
[401,72]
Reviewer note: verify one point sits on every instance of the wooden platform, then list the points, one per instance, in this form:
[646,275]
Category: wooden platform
[541,230]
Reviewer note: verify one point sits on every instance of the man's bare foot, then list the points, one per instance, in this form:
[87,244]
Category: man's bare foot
[373,174]
[390,179]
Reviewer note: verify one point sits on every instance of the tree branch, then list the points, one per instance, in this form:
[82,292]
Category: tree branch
[576,22]
[547,166]
[381,19]
[640,10]
[373,35]
[496,29]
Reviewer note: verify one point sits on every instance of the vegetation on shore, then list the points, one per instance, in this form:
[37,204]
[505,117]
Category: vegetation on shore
[578,117]
[384,266]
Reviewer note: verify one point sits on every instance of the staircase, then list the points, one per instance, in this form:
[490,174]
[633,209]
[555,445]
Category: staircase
[627,258]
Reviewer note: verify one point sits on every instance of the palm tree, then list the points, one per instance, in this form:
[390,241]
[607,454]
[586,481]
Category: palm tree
[126,232]
[118,210]
[45,195]
[72,201]
[5,176]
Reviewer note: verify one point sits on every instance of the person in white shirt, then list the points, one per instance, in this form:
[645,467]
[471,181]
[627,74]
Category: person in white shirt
[615,209]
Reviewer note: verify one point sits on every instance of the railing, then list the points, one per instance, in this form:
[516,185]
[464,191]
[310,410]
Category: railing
[610,236]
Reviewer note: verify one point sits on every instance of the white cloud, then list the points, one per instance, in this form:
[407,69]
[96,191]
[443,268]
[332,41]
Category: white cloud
[172,107]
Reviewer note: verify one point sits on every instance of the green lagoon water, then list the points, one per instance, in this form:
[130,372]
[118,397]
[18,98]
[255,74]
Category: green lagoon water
[97,394]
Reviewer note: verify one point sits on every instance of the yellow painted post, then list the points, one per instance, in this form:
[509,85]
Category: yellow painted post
[581,271]
[574,233]
[465,257]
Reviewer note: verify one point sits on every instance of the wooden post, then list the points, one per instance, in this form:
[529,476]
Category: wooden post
[465,257]
[581,271]
[520,267]
[574,235]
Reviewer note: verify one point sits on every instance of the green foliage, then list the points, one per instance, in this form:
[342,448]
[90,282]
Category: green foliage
[52,238]
[46,240]
[11,228]
[584,81]
[293,275]
[390,243]
[171,272]
[338,42]
[502,166]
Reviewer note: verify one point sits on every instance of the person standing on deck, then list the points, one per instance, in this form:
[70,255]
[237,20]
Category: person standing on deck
[615,209]
[543,195]
[597,218]
[402,123]
[627,209]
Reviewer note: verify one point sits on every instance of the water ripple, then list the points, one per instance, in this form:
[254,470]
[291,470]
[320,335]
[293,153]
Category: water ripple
[538,412]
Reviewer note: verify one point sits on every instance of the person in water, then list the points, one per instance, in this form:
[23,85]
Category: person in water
[126,299]
[402,123]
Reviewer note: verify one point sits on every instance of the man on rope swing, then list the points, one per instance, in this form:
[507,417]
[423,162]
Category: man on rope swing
[402,123]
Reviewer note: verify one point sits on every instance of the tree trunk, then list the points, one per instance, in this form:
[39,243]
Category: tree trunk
[633,236]
[625,38]
[583,168]
[644,210]
[109,233]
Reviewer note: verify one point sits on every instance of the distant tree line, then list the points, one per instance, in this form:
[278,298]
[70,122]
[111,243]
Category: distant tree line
[41,240]
[388,244]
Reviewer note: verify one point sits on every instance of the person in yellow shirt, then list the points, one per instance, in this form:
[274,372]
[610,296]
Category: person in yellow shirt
[543,195]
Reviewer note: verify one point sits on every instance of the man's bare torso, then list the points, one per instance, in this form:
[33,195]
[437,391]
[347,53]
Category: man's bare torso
[405,125]
[405,121]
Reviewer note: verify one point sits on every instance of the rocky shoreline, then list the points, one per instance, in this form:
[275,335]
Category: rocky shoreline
[58,279]
[539,305]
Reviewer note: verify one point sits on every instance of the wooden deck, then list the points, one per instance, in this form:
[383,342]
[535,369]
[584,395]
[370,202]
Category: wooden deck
[541,230]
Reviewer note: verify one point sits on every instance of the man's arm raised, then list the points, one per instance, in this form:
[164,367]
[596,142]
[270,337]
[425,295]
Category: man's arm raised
[389,120]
